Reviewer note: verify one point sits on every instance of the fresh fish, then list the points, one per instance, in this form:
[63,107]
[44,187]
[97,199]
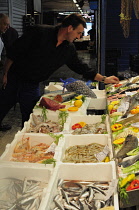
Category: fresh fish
[124,100]
[133,102]
[129,120]
[130,161]
[124,85]
[130,143]
[67,96]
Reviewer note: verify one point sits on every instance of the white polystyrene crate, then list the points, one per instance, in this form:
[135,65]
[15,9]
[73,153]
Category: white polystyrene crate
[18,171]
[50,116]
[98,103]
[84,172]
[34,140]
[81,111]
[72,140]
[89,119]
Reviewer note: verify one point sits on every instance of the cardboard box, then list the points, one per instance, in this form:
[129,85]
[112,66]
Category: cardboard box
[84,172]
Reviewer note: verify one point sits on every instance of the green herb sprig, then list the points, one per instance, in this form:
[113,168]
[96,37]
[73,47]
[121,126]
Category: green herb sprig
[62,118]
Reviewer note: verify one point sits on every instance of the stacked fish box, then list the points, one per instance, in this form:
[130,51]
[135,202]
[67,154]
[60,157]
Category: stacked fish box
[100,102]
[78,186]
[32,149]
[82,110]
[123,108]
[23,187]
[86,148]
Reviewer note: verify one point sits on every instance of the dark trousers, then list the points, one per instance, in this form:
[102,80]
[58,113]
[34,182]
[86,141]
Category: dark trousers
[26,93]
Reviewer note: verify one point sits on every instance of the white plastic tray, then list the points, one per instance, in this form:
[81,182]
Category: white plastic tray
[86,172]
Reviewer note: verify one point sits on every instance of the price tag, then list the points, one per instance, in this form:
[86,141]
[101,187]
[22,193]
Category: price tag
[130,93]
[112,188]
[51,148]
[102,155]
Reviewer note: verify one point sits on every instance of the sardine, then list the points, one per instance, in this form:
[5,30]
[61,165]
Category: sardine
[133,102]
[130,161]
[130,143]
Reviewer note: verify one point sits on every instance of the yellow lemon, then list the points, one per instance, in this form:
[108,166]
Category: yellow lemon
[115,102]
[78,103]
[79,97]
[107,159]
[110,107]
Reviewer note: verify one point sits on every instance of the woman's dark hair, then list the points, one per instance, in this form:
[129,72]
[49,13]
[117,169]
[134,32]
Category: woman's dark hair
[74,19]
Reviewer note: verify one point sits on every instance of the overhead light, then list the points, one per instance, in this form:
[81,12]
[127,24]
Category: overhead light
[75,1]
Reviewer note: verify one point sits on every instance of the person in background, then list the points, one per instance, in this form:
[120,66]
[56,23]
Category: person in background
[35,56]
[7,37]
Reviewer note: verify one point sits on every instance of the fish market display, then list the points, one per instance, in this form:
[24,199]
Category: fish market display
[83,153]
[87,195]
[39,126]
[23,152]
[123,108]
[20,194]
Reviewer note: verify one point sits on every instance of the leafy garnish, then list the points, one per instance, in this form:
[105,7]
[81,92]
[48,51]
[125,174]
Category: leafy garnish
[49,161]
[122,192]
[56,137]
[131,169]
[62,118]
[103,118]
[133,152]
[43,114]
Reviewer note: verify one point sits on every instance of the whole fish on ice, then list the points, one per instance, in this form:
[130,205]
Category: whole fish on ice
[130,143]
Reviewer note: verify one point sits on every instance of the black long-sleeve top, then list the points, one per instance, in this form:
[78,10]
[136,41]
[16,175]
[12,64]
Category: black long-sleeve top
[35,55]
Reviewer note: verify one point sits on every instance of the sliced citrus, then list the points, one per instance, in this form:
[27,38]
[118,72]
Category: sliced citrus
[73,109]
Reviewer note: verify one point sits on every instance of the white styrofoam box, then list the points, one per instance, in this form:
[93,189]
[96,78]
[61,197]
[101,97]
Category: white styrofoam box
[81,111]
[72,140]
[53,87]
[98,103]
[83,172]
[89,119]
[33,140]
[50,116]
[18,171]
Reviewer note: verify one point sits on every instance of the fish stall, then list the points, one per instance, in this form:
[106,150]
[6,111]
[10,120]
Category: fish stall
[88,161]
[123,109]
